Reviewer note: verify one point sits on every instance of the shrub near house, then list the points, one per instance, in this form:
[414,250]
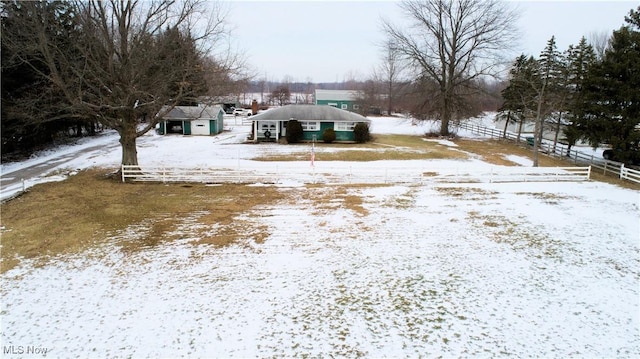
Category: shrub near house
[361,132]
[294,131]
[329,135]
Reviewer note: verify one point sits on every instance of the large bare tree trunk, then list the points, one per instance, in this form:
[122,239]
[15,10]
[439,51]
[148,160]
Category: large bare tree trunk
[128,138]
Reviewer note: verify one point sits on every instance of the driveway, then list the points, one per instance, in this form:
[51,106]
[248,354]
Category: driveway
[15,177]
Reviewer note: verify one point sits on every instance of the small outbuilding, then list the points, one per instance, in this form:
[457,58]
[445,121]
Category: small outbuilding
[192,120]
[271,125]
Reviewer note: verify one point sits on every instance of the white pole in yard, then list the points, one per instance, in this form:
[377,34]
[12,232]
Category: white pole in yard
[313,151]
[313,158]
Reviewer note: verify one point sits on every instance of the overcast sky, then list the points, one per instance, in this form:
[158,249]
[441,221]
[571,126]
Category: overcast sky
[327,41]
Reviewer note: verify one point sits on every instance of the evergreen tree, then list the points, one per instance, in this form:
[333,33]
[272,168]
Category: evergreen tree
[612,98]
[546,83]
[560,97]
[581,59]
[31,112]
[518,95]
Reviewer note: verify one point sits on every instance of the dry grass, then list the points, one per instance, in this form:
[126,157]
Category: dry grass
[89,208]
[328,198]
[384,147]
[494,151]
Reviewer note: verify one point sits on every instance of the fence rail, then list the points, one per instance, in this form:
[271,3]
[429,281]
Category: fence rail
[349,176]
[630,174]
[560,150]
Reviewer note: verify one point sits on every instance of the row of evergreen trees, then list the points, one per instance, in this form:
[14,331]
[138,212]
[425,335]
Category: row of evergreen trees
[597,97]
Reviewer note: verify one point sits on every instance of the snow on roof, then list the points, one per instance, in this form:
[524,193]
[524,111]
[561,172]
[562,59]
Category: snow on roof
[336,95]
[309,113]
[192,112]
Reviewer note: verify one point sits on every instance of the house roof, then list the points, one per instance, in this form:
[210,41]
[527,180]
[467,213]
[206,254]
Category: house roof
[192,112]
[336,95]
[309,113]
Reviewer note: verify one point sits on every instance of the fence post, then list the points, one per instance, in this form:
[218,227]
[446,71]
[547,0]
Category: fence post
[122,170]
[622,172]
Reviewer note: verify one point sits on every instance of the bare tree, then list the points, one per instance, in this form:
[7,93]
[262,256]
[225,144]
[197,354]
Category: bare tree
[390,72]
[281,95]
[134,59]
[599,41]
[367,97]
[454,42]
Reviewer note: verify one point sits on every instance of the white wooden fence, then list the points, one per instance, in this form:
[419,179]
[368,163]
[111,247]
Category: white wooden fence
[629,174]
[341,175]
[560,150]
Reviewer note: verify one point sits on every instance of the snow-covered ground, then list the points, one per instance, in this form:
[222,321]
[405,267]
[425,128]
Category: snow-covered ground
[453,270]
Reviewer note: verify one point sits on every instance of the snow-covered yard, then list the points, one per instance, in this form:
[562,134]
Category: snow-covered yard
[453,270]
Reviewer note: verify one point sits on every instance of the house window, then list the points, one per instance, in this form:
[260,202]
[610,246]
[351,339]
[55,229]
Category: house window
[356,107]
[345,126]
[310,126]
[345,106]
[268,125]
[333,104]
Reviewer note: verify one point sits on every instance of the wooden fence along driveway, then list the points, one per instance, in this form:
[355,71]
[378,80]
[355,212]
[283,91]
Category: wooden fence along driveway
[339,175]
[561,150]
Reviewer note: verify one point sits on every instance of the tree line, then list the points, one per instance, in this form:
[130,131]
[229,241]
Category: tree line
[590,97]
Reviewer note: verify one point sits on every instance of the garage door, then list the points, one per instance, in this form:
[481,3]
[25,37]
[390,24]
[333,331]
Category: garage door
[200,127]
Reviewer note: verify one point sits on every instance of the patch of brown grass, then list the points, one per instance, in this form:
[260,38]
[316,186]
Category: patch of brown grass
[549,198]
[469,193]
[89,208]
[494,151]
[385,147]
[327,198]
